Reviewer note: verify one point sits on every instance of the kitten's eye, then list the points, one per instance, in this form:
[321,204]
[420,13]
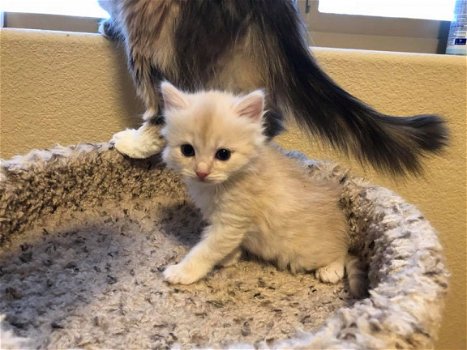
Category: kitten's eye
[187,150]
[223,154]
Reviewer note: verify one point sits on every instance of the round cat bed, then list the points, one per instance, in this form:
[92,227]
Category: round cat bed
[86,233]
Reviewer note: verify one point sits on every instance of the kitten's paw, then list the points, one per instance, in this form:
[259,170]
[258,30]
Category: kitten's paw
[331,273]
[137,144]
[181,274]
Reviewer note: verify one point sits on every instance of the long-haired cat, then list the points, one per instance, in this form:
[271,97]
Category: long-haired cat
[242,45]
[252,196]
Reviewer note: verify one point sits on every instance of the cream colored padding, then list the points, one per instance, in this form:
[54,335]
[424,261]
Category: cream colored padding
[71,88]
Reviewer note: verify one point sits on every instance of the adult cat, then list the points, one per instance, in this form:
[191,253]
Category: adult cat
[241,45]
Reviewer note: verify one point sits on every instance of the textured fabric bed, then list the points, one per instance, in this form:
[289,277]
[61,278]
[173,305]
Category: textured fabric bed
[86,232]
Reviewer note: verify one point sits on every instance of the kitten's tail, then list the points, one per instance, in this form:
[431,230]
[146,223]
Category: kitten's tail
[356,277]
[393,144]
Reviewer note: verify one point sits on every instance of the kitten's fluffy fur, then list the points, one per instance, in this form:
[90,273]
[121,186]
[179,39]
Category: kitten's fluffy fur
[241,45]
[258,199]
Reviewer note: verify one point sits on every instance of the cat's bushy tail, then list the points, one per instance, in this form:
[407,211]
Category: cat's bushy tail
[356,276]
[392,144]
[205,32]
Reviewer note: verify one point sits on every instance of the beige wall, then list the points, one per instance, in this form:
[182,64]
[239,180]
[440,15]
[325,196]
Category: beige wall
[70,88]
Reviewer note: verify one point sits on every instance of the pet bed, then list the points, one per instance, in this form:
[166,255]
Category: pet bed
[86,233]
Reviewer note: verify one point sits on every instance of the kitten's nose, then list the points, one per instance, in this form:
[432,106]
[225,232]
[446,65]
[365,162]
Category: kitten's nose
[202,175]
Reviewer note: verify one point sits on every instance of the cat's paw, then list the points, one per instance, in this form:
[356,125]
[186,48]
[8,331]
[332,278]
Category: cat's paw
[331,273]
[137,144]
[108,29]
[181,274]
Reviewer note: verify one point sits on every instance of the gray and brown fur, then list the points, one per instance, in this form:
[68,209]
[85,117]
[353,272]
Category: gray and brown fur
[242,45]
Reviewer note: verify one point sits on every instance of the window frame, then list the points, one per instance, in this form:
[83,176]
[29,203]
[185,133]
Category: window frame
[42,21]
[324,29]
[373,33]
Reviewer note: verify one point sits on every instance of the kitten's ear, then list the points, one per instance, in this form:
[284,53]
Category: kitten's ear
[173,98]
[251,106]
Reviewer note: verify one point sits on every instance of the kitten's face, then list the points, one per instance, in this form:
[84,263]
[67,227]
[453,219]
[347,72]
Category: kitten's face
[211,136]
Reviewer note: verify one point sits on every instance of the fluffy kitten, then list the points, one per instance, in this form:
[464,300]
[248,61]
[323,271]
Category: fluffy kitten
[252,195]
[239,46]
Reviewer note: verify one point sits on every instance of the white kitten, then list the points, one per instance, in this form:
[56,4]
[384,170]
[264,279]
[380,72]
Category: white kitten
[252,196]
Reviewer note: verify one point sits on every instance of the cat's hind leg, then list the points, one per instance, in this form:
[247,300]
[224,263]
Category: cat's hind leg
[331,273]
[140,143]
[147,140]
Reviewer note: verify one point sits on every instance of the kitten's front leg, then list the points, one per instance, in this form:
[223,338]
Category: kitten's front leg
[217,243]
[232,258]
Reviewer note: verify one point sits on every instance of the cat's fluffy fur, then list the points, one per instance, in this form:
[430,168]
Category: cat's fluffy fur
[241,45]
[258,199]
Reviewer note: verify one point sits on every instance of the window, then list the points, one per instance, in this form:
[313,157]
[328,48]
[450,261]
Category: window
[61,15]
[422,9]
[390,25]
[386,25]
[79,8]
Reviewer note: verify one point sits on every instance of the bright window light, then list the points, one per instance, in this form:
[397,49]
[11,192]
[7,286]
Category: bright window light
[424,9]
[80,8]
